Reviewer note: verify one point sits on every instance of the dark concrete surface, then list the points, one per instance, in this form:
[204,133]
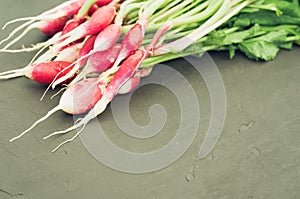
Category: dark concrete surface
[257,156]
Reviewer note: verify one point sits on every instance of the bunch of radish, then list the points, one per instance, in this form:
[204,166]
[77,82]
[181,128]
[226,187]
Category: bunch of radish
[100,48]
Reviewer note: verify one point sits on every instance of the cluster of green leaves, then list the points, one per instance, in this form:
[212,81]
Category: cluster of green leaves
[261,30]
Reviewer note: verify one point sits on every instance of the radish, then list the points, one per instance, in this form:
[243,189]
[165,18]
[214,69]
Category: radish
[71,25]
[86,48]
[70,53]
[130,43]
[74,67]
[50,21]
[92,10]
[124,72]
[51,27]
[77,99]
[130,84]
[134,81]
[104,41]
[99,62]
[43,72]
[83,30]
[103,2]
[98,21]
[54,52]
[107,37]
[134,37]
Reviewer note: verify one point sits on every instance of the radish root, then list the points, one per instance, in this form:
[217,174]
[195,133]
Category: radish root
[36,123]
[14,73]
[69,140]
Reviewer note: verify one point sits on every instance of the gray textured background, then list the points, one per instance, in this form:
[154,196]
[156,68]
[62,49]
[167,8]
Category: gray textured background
[257,156]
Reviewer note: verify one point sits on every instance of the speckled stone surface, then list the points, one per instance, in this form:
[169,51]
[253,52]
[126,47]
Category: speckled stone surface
[257,156]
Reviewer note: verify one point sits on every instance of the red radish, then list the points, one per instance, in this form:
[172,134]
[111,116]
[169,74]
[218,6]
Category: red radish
[56,52]
[99,62]
[98,21]
[71,25]
[130,43]
[125,71]
[107,37]
[159,33]
[144,71]
[70,53]
[92,10]
[48,22]
[134,81]
[104,40]
[78,99]
[102,60]
[86,48]
[67,8]
[81,59]
[50,27]
[41,72]
[103,2]
[130,85]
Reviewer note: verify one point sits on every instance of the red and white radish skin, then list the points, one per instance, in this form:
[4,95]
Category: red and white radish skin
[50,27]
[53,52]
[134,81]
[130,43]
[100,43]
[81,59]
[43,72]
[77,99]
[125,72]
[103,2]
[107,37]
[130,85]
[98,21]
[99,62]
[70,53]
[49,22]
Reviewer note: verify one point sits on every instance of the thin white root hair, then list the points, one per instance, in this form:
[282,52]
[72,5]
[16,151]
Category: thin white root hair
[81,75]
[54,79]
[15,40]
[66,76]
[60,91]
[112,70]
[29,19]
[74,127]
[78,120]
[98,109]
[75,68]
[69,140]
[15,31]
[10,76]
[14,73]
[36,123]
[28,49]
[47,55]
[71,36]
[43,16]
